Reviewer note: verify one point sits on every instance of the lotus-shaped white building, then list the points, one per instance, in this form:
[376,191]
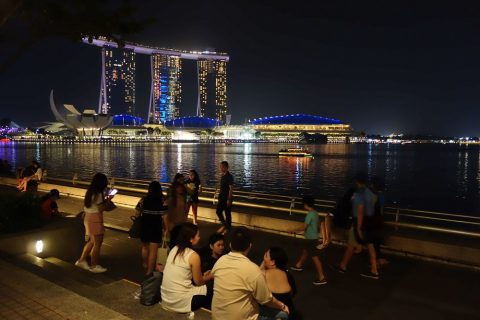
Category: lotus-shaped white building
[88,123]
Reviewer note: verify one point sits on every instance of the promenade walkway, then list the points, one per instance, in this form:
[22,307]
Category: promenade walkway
[408,288]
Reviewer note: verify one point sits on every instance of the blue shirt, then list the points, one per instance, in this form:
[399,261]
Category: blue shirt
[311,220]
[366,197]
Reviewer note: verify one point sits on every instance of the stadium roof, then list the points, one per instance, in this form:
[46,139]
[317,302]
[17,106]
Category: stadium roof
[295,119]
[192,123]
[127,120]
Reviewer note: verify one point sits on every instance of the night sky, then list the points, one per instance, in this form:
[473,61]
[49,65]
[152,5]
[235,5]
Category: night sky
[383,67]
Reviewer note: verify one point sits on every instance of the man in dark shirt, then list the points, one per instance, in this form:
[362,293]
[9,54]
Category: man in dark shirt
[225,198]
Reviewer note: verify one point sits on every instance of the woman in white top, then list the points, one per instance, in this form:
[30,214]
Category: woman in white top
[94,205]
[183,264]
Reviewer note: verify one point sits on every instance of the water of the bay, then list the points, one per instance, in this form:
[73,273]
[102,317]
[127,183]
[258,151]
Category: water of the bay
[419,176]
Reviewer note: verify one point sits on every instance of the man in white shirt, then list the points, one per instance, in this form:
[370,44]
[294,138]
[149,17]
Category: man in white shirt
[239,284]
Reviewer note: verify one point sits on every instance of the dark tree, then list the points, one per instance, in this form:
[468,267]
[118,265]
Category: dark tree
[26,22]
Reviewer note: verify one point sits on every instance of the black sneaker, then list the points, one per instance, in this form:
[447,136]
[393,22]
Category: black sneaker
[338,269]
[294,268]
[370,275]
[319,282]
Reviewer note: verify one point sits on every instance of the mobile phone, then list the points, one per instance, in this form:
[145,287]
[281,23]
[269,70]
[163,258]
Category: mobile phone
[112,192]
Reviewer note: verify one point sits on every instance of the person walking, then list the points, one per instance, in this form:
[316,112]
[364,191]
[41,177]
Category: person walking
[151,212]
[363,208]
[239,284]
[310,229]
[225,198]
[194,187]
[95,203]
[376,222]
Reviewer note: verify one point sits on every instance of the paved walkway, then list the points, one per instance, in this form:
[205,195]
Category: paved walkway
[408,289]
[24,295]
[16,305]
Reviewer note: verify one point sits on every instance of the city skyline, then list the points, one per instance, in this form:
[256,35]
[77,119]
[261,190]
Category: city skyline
[401,67]
[118,81]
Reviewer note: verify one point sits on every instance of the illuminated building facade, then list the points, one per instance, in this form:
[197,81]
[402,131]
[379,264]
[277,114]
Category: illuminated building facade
[117,94]
[285,126]
[165,96]
[212,89]
[117,91]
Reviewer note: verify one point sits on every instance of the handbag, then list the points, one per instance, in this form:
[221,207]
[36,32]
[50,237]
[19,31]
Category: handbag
[109,205]
[135,229]
[162,252]
[150,289]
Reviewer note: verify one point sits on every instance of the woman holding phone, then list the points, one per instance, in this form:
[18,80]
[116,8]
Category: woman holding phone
[95,203]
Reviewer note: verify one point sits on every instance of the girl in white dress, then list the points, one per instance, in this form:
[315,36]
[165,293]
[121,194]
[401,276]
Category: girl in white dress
[179,292]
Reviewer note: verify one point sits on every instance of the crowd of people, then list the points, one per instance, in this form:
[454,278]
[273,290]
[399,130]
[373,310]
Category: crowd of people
[28,179]
[221,277]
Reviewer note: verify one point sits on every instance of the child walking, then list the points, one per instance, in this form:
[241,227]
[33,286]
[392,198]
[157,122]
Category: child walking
[310,229]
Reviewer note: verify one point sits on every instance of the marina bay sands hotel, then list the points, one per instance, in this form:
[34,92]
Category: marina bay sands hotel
[117,90]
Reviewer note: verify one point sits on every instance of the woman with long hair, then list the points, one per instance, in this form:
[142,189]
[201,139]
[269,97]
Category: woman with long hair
[94,205]
[151,210]
[280,282]
[179,292]
[194,187]
[177,205]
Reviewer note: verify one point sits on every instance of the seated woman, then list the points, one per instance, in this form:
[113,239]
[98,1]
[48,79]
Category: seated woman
[32,172]
[216,248]
[280,282]
[179,292]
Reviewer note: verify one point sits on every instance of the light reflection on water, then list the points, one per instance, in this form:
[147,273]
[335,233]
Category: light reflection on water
[432,177]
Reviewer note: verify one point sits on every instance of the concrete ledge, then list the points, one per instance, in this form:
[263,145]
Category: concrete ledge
[437,251]
[62,237]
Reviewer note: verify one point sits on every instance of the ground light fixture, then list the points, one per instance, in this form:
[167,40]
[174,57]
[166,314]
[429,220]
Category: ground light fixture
[39,246]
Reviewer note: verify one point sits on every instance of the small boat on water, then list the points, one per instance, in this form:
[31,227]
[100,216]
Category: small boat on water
[295,152]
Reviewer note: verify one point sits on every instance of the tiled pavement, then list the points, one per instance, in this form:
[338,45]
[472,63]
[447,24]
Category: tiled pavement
[15,305]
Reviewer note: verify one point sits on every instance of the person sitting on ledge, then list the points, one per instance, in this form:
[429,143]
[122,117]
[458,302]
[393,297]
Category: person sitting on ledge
[49,205]
[215,249]
[32,187]
[32,172]
[179,292]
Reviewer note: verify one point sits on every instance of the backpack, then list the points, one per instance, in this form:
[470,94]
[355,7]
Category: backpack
[342,212]
[376,221]
[150,289]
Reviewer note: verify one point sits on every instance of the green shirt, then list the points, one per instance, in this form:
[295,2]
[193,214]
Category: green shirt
[311,220]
